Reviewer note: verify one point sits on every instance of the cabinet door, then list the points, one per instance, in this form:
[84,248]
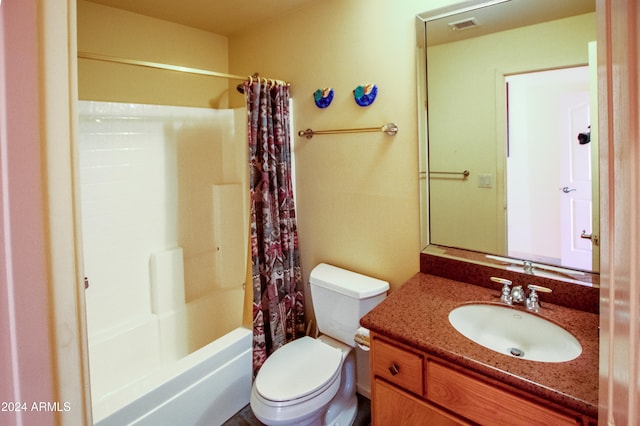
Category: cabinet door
[392,407]
[485,404]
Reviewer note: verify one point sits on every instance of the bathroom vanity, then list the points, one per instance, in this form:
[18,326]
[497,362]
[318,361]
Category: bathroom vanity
[425,372]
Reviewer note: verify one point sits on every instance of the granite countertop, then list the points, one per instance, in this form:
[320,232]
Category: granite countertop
[417,314]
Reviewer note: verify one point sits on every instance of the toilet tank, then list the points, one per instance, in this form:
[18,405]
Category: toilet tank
[341,297]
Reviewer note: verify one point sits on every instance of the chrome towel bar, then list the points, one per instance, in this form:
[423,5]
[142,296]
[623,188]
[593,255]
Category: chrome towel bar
[464,173]
[390,129]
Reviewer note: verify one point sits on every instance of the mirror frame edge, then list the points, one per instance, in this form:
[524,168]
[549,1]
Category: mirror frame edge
[422,110]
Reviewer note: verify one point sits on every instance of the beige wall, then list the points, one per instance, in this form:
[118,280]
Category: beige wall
[113,32]
[357,194]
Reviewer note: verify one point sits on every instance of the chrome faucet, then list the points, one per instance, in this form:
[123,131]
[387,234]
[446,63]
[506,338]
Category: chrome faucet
[517,294]
[527,267]
[533,302]
[505,296]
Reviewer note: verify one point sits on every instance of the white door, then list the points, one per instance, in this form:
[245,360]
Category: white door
[548,170]
[575,180]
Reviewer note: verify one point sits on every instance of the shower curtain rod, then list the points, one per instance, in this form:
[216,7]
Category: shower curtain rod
[168,67]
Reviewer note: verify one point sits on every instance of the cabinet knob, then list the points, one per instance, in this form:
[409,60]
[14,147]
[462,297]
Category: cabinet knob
[394,369]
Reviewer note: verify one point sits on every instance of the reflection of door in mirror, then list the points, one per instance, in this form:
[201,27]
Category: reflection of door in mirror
[549,167]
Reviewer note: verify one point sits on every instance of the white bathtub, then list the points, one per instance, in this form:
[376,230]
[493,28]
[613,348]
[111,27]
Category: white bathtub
[207,388]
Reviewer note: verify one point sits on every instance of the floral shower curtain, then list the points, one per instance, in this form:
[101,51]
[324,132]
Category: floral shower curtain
[278,310]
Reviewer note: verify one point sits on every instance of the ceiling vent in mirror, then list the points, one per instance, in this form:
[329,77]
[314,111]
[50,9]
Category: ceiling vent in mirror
[463,24]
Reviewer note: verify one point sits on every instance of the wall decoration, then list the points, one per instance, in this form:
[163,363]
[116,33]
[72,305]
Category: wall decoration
[323,97]
[366,94]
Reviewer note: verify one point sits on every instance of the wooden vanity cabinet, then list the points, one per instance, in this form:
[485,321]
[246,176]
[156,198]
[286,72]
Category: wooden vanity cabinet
[410,387]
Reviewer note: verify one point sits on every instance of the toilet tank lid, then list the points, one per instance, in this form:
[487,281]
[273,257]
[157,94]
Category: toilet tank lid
[347,282]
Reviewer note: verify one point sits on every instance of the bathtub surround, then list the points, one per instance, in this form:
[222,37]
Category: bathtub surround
[164,228]
[278,303]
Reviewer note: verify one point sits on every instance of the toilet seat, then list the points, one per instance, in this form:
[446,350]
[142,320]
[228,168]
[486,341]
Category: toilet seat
[298,371]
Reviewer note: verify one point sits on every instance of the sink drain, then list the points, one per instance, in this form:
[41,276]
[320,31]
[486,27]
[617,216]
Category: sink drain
[516,352]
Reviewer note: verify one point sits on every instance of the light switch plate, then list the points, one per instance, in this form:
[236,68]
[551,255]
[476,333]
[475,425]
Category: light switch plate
[485,181]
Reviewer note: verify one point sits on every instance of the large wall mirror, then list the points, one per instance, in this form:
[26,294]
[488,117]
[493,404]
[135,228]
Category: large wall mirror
[508,128]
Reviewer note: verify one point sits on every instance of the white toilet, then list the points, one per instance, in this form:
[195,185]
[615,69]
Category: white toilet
[313,381]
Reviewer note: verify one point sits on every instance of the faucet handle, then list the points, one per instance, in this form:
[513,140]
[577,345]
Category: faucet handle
[539,288]
[503,281]
[533,302]
[505,296]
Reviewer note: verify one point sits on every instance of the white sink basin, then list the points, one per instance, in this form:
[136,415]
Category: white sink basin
[515,333]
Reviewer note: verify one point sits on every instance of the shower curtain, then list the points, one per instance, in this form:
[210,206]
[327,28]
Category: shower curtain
[278,310]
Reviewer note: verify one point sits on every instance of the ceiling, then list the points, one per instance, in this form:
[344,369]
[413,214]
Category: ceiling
[223,17]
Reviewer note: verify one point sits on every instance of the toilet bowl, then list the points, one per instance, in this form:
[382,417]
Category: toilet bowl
[307,382]
[313,381]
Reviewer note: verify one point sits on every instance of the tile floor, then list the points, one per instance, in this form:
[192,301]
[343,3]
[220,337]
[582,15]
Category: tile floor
[246,418]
